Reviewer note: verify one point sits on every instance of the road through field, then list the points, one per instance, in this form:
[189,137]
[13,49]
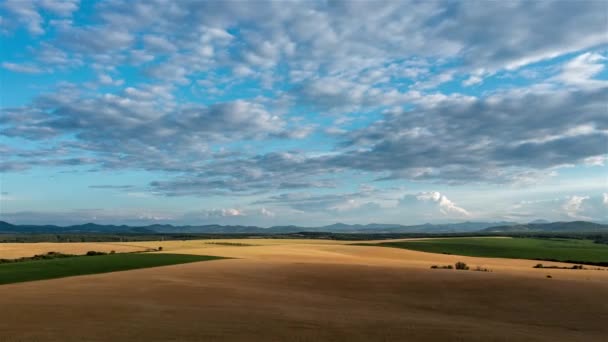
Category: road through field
[308,290]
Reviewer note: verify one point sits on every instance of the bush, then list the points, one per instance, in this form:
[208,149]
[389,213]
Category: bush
[92,253]
[548,276]
[160,249]
[539,266]
[461,266]
[445,267]
[112,252]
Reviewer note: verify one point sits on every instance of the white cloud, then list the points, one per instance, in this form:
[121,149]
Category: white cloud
[574,205]
[595,160]
[267,212]
[581,70]
[227,212]
[446,206]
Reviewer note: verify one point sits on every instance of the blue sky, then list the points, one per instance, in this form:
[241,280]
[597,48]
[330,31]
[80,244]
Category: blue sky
[303,112]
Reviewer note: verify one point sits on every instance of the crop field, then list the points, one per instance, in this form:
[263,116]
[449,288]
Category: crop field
[80,265]
[317,290]
[565,250]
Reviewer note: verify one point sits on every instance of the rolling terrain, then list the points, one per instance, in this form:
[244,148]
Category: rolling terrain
[273,290]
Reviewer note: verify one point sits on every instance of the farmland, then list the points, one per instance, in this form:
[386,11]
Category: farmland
[273,289]
[566,250]
[81,265]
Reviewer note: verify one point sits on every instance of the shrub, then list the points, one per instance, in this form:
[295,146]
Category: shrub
[549,276]
[538,266]
[160,249]
[461,266]
[445,267]
[112,252]
[92,253]
[481,269]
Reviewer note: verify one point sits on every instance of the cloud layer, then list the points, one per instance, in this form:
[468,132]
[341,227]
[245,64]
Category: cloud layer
[291,106]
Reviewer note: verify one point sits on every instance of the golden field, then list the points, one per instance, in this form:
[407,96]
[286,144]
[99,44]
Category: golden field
[304,290]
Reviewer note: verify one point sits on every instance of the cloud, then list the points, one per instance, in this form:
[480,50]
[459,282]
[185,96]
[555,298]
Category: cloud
[135,216]
[582,69]
[28,12]
[355,40]
[446,206]
[493,139]
[5,196]
[573,206]
[22,68]
[228,212]
[140,127]
[248,175]
[267,213]
[292,103]
[158,43]
[333,204]
[596,160]
[118,187]
[94,40]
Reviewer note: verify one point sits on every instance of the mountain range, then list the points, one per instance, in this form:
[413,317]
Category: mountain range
[373,228]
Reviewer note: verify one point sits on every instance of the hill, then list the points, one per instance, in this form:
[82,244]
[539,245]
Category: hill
[372,228]
[553,227]
[7,228]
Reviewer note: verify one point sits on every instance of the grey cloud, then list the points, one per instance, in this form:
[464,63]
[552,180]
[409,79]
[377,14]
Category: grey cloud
[140,128]
[490,139]
[249,175]
[27,12]
[339,38]
[94,40]
[515,33]
[22,68]
[337,57]
[118,187]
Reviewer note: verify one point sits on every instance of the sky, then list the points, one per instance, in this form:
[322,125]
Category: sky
[303,112]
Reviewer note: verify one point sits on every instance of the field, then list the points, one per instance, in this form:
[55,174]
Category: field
[306,290]
[567,250]
[81,265]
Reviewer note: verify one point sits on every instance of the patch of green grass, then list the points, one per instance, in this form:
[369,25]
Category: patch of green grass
[81,265]
[565,250]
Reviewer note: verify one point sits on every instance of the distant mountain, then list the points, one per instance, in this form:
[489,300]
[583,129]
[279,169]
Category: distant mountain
[6,228]
[378,228]
[575,226]
[373,228]
[539,222]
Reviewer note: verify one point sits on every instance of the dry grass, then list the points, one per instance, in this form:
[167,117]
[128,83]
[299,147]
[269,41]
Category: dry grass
[309,290]
[19,250]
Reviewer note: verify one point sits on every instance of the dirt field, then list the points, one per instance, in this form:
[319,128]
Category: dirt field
[305,290]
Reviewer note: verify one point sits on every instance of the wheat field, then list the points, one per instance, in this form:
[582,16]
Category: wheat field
[304,290]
